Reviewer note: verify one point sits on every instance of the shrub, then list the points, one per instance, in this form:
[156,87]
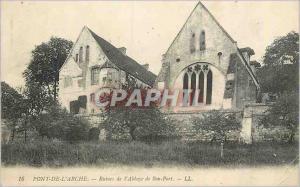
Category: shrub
[219,124]
[284,113]
[136,123]
[94,134]
[58,123]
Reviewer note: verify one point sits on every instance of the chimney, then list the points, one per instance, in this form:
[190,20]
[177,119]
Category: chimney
[146,66]
[247,52]
[122,50]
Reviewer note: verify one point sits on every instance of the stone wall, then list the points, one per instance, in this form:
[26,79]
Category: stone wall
[251,130]
[184,125]
[259,132]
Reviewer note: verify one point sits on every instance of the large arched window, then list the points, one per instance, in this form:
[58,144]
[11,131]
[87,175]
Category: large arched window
[209,87]
[202,41]
[192,43]
[193,87]
[87,53]
[80,54]
[201,87]
[198,76]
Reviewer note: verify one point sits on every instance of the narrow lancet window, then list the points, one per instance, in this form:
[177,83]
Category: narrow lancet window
[202,41]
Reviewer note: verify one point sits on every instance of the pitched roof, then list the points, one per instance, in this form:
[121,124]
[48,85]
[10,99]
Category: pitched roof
[199,4]
[124,62]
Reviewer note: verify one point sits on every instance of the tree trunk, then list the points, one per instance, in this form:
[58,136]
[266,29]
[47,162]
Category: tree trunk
[25,135]
[56,77]
[49,90]
[131,132]
[222,149]
[13,134]
[291,138]
[55,90]
[25,129]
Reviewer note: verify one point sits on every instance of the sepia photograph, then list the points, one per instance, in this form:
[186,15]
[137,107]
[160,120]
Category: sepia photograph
[149,93]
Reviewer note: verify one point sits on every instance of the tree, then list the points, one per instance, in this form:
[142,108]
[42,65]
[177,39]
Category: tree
[47,59]
[10,102]
[21,108]
[218,123]
[136,122]
[33,103]
[56,122]
[12,106]
[280,72]
[283,50]
[139,122]
[284,113]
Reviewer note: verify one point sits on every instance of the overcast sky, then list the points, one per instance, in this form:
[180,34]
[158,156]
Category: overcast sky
[146,29]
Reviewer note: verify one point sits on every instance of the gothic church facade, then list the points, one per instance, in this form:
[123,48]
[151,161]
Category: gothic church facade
[204,56]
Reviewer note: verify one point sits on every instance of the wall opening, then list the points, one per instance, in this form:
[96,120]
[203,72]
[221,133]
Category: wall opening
[202,41]
[201,87]
[193,87]
[209,87]
[185,83]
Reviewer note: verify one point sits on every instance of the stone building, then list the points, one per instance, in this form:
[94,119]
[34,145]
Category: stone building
[204,56]
[94,64]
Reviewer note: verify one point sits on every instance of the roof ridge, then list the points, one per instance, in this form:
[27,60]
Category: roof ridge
[213,17]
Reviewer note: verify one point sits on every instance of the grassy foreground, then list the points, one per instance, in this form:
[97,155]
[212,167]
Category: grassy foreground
[59,154]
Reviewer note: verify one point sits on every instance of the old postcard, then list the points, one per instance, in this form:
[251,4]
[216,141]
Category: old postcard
[149,93]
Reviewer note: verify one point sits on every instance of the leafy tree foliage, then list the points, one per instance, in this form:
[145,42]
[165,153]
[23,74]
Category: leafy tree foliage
[217,122]
[283,50]
[284,113]
[12,108]
[139,122]
[94,134]
[280,72]
[55,122]
[47,59]
[35,100]
[11,102]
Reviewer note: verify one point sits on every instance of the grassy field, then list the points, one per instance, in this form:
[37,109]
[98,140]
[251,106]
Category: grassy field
[59,154]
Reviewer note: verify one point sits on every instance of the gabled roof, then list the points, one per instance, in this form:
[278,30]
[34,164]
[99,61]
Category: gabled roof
[199,4]
[239,51]
[124,62]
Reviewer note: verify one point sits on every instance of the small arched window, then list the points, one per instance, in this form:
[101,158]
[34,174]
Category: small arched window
[193,87]
[87,53]
[80,54]
[201,87]
[202,41]
[209,87]
[192,43]
[185,83]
